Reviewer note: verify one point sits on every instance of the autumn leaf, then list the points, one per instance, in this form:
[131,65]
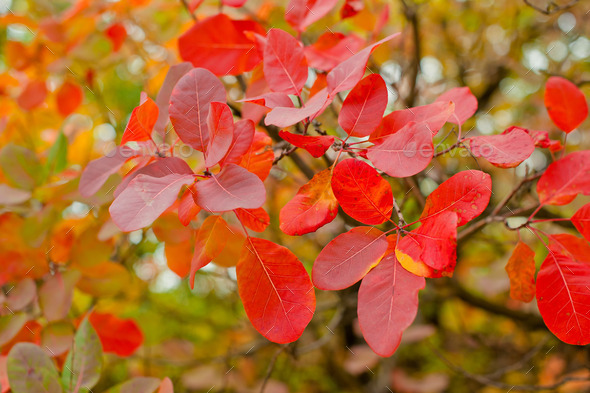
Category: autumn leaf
[565,103]
[362,192]
[348,258]
[521,271]
[313,207]
[276,290]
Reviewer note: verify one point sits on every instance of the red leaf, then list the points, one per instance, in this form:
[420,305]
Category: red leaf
[348,258]
[33,95]
[189,106]
[220,123]
[174,74]
[234,3]
[159,168]
[387,303]
[313,207]
[404,153]
[521,271]
[351,8]
[581,220]
[220,45]
[285,117]
[562,289]
[259,158]
[302,13]
[209,242]
[364,106]
[120,336]
[565,178]
[255,219]
[141,123]
[230,189]
[430,250]
[68,97]
[332,49]
[285,67]
[145,198]
[362,192]
[565,103]
[315,145]
[187,208]
[465,103]
[466,193]
[435,116]
[116,33]
[276,290]
[270,100]
[98,171]
[540,138]
[241,142]
[504,150]
[347,74]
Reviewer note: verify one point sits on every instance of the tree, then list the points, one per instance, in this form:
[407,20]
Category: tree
[171,170]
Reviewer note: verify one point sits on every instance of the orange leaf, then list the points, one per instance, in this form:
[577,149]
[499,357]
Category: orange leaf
[313,207]
[521,270]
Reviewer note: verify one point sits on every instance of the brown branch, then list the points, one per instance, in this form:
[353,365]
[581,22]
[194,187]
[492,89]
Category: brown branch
[411,15]
[532,321]
[271,366]
[186,6]
[552,8]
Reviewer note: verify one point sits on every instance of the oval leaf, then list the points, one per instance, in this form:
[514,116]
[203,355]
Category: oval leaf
[466,193]
[565,103]
[84,361]
[230,189]
[504,150]
[404,153]
[220,123]
[565,178]
[465,103]
[276,290]
[313,207]
[348,258]
[285,67]
[145,198]
[562,289]
[363,107]
[189,106]
[387,303]
[30,370]
[521,271]
[362,192]
[120,336]
[220,45]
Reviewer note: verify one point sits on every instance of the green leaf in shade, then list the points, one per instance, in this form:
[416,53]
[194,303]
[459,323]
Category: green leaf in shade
[30,370]
[57,159]
[84,362]
[21,167]
[137,385]
[10,325]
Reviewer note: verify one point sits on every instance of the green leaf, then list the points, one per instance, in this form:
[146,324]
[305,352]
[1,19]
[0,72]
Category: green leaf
[30,370]
[21,166]
[10,325]
[57,159]
[137,385]
[84,362]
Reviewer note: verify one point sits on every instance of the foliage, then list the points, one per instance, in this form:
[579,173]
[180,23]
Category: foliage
[331,137]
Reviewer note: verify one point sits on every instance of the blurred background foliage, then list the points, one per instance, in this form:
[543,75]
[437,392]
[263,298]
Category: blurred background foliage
[469,335]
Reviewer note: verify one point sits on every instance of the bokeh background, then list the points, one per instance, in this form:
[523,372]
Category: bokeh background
[468,336]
